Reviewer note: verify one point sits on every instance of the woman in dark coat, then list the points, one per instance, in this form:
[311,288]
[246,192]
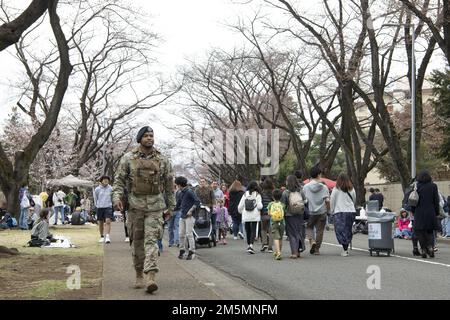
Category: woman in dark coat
[235,194]
[426,212]
[294,222]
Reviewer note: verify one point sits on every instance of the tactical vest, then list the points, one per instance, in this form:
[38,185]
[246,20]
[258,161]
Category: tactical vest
[146,176]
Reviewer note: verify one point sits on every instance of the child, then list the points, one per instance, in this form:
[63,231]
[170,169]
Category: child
[40,236]
[276,212]
[222,220]
[404,230]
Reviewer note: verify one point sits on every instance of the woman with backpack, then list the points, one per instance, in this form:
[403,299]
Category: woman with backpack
[294,200]
[236,193]
[342,207]
[250,207]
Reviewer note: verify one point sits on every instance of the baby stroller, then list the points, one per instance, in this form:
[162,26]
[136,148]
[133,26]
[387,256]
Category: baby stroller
[360,225]
[203,229]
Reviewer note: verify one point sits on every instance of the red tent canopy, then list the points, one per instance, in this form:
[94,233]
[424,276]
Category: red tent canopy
[329,183]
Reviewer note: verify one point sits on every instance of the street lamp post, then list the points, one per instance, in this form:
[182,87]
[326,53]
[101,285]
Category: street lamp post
[413,96]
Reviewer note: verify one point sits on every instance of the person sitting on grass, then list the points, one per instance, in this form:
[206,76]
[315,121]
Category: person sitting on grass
[40,236]
[276,213]
[404,229]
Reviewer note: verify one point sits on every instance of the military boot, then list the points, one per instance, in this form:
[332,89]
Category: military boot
[151,284]
[139,280]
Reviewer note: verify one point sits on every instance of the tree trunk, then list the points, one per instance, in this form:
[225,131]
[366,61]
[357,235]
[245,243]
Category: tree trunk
[12,199]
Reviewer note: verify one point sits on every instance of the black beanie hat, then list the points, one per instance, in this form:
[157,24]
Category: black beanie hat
[143,131]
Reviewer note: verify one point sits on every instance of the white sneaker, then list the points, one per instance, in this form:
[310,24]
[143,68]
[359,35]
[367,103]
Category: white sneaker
[127,239]
[344,253]
[107,240]
[101,240]
[235,238]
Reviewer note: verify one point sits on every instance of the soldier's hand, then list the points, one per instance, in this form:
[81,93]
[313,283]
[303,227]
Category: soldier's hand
[189,213]
[118,206]
[167,215]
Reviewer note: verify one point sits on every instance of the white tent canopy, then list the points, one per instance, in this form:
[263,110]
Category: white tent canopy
[70,181]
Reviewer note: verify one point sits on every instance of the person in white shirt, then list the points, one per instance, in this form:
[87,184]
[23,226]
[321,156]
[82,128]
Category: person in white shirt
[342,207]
[250,207]
[103,204]
[58,205]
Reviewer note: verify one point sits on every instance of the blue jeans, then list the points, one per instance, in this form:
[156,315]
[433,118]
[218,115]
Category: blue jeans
[446,227]
[174,225]
[57,210]
[237,225]
[23,220]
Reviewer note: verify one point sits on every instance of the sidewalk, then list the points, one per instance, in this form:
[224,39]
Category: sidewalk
[177,279]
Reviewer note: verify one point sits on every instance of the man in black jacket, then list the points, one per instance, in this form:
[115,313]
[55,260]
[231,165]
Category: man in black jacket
[186,203]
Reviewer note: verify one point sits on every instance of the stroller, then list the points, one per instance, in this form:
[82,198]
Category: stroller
[360,225]
[203,229]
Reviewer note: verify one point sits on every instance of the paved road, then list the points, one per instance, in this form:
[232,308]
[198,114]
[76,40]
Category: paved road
[330,276]
[177,279]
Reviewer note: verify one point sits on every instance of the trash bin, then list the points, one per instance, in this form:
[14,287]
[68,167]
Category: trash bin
[381,236]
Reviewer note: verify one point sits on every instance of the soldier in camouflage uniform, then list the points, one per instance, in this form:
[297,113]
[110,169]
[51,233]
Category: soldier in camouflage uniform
[147,174]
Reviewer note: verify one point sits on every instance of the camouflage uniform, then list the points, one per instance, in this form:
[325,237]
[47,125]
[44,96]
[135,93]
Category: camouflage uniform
[150,181]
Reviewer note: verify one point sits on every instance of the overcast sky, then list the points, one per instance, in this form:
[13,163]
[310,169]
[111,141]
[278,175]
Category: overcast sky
[188,30]
[188,27]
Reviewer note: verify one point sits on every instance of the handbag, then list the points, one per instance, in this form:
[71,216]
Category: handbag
[413,198]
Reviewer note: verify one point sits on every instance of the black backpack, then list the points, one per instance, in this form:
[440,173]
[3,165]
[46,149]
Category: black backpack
[250,204]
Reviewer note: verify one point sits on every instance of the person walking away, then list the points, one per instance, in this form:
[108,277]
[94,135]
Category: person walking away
[24,207]
[187,203]
[222,221]
[426,212]
[266,231]
[174,223]
[226,196]
[294,200]
[342,207]
[103,203]
[148,175]
[318,199]
[236,193]
[276,213]
[206,195]
[58,201]
[250,207]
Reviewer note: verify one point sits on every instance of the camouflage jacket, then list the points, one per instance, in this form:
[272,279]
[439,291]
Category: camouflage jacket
[127,176]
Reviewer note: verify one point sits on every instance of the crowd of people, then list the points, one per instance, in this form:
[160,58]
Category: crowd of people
[301,212]
[297,211]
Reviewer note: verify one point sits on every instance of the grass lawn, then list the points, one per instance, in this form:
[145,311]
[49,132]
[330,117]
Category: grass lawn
[41,273]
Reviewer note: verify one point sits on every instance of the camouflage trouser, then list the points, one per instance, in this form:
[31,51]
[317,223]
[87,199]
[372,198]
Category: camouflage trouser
[145,229]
